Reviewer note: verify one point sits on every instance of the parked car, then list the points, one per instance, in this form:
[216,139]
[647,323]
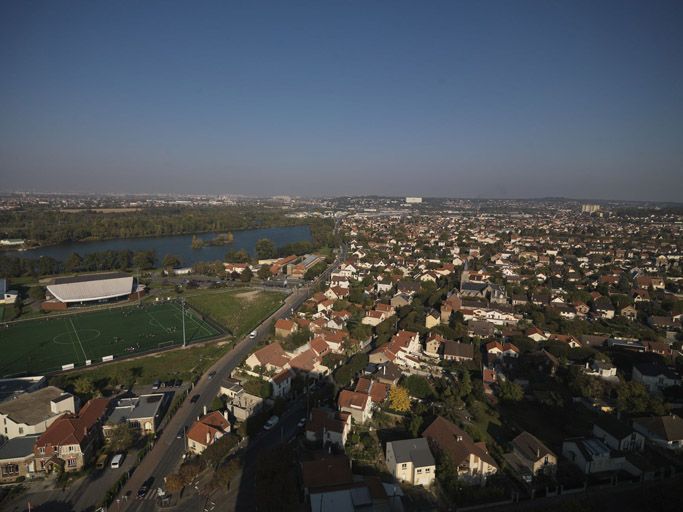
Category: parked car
[194,399]
[212,375]
[302,423]
[271,422]
[142,492]
[116,461]
[253,334]
[156,385]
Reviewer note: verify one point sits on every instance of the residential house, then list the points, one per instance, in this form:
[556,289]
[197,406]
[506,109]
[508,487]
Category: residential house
[328,427]
[665,431]
[434,344]
[284,328]
[472,460]
[271,357]
[530,457]
[456,351]
[359,405]
[17,459]
[32,413]
[617,435]
[207,430]
[411,461]
[142,413]
[591,455]
[432,319]
[655,376]
[70,441]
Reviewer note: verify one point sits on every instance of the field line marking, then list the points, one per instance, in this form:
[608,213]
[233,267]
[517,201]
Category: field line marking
[78,338]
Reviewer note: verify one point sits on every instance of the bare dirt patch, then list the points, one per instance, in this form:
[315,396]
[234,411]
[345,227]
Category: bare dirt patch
[248,296]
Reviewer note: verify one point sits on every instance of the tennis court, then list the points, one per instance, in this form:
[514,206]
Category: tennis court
[47,344]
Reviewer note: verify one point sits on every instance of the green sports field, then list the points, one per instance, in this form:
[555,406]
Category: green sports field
[46,344]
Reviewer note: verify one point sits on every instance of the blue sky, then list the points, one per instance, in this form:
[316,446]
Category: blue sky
[462,99]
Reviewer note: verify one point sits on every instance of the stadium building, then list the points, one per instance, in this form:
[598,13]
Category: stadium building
[91,289]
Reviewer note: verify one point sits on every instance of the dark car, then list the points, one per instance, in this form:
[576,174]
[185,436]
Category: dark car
[142,492]
[212,375]
[194,399]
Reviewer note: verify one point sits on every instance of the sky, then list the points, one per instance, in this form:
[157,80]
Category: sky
[480,99]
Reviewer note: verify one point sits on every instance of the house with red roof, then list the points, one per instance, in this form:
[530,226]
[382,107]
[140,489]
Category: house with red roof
[207,430]
[359,405]
[71,440]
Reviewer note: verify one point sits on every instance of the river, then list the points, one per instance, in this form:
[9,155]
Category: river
[178,245]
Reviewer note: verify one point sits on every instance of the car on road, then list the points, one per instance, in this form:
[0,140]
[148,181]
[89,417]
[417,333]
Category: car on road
[156,385]
[252,334]
[302,423]
[181,433]
[212,375]
[144,489]
[194,399]
[116,461]
[271,423]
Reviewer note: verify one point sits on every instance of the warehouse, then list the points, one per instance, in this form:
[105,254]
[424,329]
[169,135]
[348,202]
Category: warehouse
[65,292]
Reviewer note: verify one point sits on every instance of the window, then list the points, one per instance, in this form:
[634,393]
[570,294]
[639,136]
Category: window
[10,469]
[21,430]
[71,448]
[428,470]
[41,450]
[419,471]
[71,463]
[404,466]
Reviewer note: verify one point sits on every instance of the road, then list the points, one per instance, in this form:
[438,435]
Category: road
[167,453]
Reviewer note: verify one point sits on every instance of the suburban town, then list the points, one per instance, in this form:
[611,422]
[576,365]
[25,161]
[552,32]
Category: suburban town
[445,354]
[341,256]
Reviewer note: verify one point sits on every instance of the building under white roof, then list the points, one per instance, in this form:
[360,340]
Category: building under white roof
[93,287]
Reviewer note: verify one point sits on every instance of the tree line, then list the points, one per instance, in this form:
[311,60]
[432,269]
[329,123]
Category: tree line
[42,226]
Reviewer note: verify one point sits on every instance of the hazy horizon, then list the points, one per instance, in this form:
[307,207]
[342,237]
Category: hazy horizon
[496,100]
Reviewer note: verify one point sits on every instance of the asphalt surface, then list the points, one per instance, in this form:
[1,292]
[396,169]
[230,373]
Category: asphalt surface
[167,453]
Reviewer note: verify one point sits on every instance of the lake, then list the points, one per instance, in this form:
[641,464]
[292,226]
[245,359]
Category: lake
[179,245]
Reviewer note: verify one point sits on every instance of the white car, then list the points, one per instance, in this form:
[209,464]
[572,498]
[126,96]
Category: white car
[271,423]
[252,334]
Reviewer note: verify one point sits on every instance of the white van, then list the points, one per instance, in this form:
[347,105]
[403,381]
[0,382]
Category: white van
[116,461]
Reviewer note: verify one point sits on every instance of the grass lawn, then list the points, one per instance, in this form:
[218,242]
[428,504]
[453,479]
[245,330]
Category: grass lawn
[44,345]
[178,364]
[239,311]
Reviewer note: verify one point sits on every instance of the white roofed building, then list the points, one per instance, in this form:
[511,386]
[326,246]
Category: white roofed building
[92,288]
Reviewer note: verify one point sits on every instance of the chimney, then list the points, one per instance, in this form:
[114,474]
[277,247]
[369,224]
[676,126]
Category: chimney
[225,415]
[205,410]
[208,438]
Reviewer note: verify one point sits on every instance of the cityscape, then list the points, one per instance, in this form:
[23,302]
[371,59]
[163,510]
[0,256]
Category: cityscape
[341,256]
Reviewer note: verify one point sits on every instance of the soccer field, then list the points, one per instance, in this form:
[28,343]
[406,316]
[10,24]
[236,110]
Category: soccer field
[46,344]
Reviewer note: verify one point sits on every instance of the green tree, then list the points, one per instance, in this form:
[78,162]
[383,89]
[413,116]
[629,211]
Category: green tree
[122,438]
[37,292]
[264,272]
[417,386]
[510,392]
[170,261]
[73,263]
[265,249]
[84,388]
[415,425]
[246,275]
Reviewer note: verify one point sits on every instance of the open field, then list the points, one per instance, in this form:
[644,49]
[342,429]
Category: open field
[185,364]
[46,344]
[240,310]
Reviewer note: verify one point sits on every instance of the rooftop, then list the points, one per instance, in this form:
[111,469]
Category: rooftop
[31,408]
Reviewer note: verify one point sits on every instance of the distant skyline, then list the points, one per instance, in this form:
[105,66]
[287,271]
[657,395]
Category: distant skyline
[491,99]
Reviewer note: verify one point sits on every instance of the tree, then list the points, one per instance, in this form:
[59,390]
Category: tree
[144,260]
[265,249]
[122,438]
[417,386]
[219,450]
[170,261]
[264,272]
[415,425]
[84,388]
[37,292]
[189,470]
[510,392]
[174,483]
[246,275]
[633,398]
[399,399]
[73,262]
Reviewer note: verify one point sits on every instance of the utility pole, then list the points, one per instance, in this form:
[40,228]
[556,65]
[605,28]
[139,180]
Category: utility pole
[182,307]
